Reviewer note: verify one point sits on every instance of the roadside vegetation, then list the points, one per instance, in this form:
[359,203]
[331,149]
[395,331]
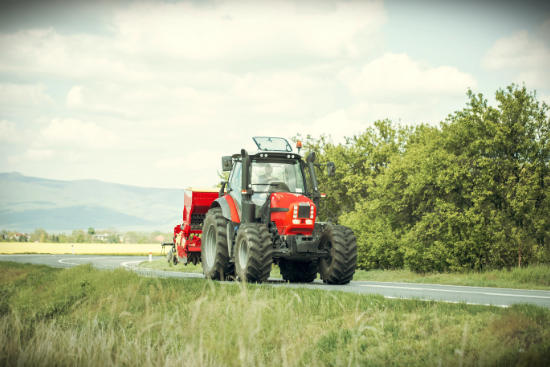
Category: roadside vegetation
[531,277]
[83,316]
[472,194]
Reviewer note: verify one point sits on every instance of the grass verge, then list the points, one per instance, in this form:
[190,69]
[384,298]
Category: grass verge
[83,316]
[532,277]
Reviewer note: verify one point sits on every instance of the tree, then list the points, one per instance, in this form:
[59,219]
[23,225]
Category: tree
[470,194]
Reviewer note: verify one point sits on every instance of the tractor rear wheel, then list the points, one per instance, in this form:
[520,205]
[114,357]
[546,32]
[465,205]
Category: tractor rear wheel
[339,266]
[253,253]
[297,271]
[214,253]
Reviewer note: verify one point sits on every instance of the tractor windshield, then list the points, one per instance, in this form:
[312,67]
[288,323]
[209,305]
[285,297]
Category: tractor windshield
[287,173]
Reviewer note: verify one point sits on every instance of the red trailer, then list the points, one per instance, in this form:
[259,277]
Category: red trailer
[186,243]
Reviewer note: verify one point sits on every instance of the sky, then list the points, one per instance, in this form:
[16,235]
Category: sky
[153,93]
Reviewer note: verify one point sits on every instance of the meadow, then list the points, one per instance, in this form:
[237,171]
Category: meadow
[530,277]
[79,248]
[83,316]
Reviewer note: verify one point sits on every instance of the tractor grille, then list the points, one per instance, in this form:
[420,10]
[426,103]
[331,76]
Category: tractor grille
[196,221]
[303,211]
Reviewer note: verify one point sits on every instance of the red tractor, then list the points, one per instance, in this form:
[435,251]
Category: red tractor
[265,213]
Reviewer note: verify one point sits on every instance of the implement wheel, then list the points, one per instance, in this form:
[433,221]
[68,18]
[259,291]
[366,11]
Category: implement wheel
[214,254]
[298,272]
[172,257]
[253,253]
[339,267]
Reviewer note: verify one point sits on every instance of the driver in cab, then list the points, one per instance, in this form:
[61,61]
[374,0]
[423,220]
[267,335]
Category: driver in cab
[267,176]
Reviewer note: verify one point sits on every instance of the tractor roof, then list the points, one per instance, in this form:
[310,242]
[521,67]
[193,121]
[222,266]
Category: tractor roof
[270,155]
[270,147]
[272,144]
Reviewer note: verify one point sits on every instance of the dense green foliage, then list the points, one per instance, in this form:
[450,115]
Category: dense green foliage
[87,317]
[471,194]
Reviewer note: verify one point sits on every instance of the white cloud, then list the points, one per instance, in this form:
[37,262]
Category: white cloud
[394,76]
[525,54]
[8,133]
[39,154]
[26,95]
[152,41]
[172,86]
[245,30]
[517,51]
[74,97]
[74,133]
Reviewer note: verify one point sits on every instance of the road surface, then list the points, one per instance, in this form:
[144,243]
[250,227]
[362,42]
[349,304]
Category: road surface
[503,297]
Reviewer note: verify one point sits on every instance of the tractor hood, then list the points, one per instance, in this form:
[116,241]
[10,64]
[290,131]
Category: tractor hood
[292,213]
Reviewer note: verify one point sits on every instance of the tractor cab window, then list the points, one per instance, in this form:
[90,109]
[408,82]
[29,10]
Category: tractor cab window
[287,173]
[235,182]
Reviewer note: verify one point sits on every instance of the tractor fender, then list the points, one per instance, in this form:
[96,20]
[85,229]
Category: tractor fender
[229,208]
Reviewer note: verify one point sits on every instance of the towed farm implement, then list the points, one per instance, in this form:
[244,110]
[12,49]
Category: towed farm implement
[265,213]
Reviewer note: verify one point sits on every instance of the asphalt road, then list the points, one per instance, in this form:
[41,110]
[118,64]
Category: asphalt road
[502,297]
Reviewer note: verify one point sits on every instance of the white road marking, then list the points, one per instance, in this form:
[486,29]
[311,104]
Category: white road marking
[445,301]
[125,263]
[453,291]
[64,261]
[356,282]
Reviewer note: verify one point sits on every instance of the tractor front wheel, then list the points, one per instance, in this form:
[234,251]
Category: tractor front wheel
[339,266]
[297,271]
[214,254]
[253,253]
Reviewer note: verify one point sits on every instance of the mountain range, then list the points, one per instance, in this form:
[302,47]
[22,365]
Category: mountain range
[27,203]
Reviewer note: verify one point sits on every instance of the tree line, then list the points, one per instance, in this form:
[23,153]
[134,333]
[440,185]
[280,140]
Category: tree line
[470,194]
[85,236]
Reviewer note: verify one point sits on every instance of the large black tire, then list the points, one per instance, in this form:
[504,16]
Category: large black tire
[214,253]
[297,271]
[172,257]
[253,253]
[339,267]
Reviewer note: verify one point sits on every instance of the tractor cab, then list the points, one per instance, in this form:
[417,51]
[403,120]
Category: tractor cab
[274,188]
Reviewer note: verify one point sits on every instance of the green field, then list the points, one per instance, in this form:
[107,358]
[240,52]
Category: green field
[532,277]
[83,316]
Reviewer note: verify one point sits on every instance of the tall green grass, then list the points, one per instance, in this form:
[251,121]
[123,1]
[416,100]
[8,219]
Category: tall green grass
[83,316]
[531,277]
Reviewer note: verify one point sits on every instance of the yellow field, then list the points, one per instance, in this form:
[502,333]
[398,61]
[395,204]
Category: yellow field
[78,248]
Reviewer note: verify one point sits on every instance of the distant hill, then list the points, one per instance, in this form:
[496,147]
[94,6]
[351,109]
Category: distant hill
[27,203]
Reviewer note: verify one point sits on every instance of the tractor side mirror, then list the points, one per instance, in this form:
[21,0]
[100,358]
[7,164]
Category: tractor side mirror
[331,169]
[227,163]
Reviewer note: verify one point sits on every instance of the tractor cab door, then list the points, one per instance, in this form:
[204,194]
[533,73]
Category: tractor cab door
[234,185]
